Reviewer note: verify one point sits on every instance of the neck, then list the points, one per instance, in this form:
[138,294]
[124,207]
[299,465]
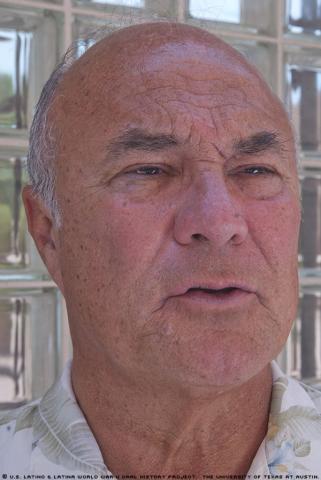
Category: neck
[172,431]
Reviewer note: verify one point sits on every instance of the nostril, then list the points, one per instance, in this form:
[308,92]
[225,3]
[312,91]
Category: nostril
[198,236]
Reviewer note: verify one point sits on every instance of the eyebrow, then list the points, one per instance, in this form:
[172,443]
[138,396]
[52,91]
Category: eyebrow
[257,143]
[137,139]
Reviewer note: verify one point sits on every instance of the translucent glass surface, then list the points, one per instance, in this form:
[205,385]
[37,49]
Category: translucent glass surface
[29,45]
[303,96]
[262,55]
[301,357]
[12,217]
[310,237]
[216,10]
[87,30]
[121,3]
[248,15]
[28,344]
[304,16]
[125,12]
[118,7]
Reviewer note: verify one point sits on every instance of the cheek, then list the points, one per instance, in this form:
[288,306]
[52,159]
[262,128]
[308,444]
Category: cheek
[119,237]
[109,260]
[275,232]
[129,239]
[275,227]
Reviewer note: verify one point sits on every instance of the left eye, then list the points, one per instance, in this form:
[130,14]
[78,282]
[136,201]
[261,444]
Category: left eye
[257,170]
[147,170]
[258,181]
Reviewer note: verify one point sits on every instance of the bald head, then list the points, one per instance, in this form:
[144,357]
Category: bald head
[130,45]
[148,49]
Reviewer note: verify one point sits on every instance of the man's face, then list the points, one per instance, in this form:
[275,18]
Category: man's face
[176,179]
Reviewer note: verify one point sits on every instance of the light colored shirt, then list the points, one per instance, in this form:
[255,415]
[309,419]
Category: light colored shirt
[50,436]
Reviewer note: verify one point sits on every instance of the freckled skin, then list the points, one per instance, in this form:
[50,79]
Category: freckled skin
[127,242]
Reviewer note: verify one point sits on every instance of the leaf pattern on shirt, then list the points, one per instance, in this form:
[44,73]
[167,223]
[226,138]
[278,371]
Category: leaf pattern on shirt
[22,415]
[290,432]
[63,435]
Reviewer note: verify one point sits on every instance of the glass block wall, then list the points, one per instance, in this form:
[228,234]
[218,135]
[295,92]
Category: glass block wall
[281,37]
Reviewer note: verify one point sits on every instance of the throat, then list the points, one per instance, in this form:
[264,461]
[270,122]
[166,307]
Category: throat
[220,435]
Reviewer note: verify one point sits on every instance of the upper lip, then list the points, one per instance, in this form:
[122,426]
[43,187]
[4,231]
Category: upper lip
[219,285]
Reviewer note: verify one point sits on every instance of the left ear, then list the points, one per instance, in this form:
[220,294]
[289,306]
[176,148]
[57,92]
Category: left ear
[42,229]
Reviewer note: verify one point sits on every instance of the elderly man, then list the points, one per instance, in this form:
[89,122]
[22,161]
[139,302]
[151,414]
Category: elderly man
[165,205]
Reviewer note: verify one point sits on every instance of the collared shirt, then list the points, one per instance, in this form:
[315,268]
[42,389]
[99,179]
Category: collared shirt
[50,436]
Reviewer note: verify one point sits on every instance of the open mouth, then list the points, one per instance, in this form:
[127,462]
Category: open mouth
[217,298]
[219,292]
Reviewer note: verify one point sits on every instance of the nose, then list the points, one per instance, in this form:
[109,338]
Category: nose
[210,212]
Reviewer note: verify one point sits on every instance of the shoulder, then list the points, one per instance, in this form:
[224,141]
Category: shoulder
[289,392]
[49,435]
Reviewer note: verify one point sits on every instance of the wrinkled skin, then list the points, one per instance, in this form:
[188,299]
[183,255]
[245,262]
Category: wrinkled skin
[132,241]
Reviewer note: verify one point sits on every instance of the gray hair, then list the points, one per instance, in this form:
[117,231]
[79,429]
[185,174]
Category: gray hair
[42,137]
[42,148]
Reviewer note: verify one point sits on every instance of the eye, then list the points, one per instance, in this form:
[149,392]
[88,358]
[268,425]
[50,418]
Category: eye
[258,170]
[258,181]
[147,170]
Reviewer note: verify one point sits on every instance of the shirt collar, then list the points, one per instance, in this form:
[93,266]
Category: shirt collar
[62,433]
[293,440]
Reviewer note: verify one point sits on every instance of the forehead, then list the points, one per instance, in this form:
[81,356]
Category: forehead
[174,87]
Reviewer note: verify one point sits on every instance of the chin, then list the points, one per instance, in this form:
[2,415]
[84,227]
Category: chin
[225,368]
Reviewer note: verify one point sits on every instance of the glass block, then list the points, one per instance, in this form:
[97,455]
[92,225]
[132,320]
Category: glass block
[124,12]
[261,55]
[120,3]
[28,344]
[310,235]
[245,15]
[13,253]
[18,253]
[87,30]
[117,7]
[303,96]
[30,41]
[301,357]
[303,16]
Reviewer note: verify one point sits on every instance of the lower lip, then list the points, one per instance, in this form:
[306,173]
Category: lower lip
[235,298]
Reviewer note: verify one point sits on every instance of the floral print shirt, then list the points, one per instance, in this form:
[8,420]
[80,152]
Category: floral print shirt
[51,438]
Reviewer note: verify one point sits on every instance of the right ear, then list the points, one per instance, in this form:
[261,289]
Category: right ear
[42,228]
